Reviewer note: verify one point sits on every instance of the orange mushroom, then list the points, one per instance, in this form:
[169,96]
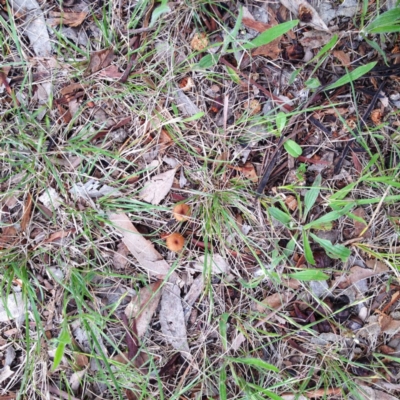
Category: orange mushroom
[181,212]
[175,242]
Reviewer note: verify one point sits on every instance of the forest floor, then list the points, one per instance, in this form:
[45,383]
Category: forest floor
[199,200]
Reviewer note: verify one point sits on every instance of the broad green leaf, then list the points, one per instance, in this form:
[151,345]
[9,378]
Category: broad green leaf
[352,76]
[271,34]
[335,251]
[293,148]
[280,121]
[233,75]
[311,195]
[387,22]
[256,362]
[331,216]
[208,61]
[309,275]
[307,250]
[279,215]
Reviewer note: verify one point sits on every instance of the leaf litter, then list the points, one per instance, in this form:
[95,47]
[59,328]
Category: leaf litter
[230,284]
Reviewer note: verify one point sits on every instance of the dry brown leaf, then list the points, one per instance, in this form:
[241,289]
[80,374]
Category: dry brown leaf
[8,236]
[368,393]
[377,265]
[249,172]
[142,249]
[59,235]
[343,57]
[144,306]
[388,325]
[111,71]
[306,13]
[291,202]
[99,60]
[120,259]
[26,216]
[72,88]
[274,301]
[172,319]
[271,50]
[256,25]
[158,187]
[376,116]
[358,273]
[315,40]
[72,19]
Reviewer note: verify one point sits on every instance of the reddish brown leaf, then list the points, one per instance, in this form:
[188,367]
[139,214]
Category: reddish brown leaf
[256,25]
[72,19]
[111,72]
[26,216]
[59,235]
[99,60]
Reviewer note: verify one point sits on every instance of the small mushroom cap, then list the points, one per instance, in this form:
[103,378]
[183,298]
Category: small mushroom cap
[181,212]
[175,242]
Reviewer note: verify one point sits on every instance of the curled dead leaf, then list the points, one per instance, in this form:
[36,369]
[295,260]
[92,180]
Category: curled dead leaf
[72,19]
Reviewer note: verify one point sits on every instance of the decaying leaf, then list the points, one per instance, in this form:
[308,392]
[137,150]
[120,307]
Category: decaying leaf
[343,57]
[158,187]
[5,373]
[217,263]
[35,26]
[192,295]
[12,307]
[111,72]
[306,13]
[142,249]
[59,235]
[274,301]
[8,236]
[315,40]
[291,202]
[187,107]
[144,306]
[368,393]
[358,273]
[72,19]
[388,325]
[120,259]
[50,199]
[93,189]
[99,60]
[76,379]
[172,319]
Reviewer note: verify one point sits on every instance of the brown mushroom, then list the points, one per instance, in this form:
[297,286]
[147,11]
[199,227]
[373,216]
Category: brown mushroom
[175,242]
[181,212]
